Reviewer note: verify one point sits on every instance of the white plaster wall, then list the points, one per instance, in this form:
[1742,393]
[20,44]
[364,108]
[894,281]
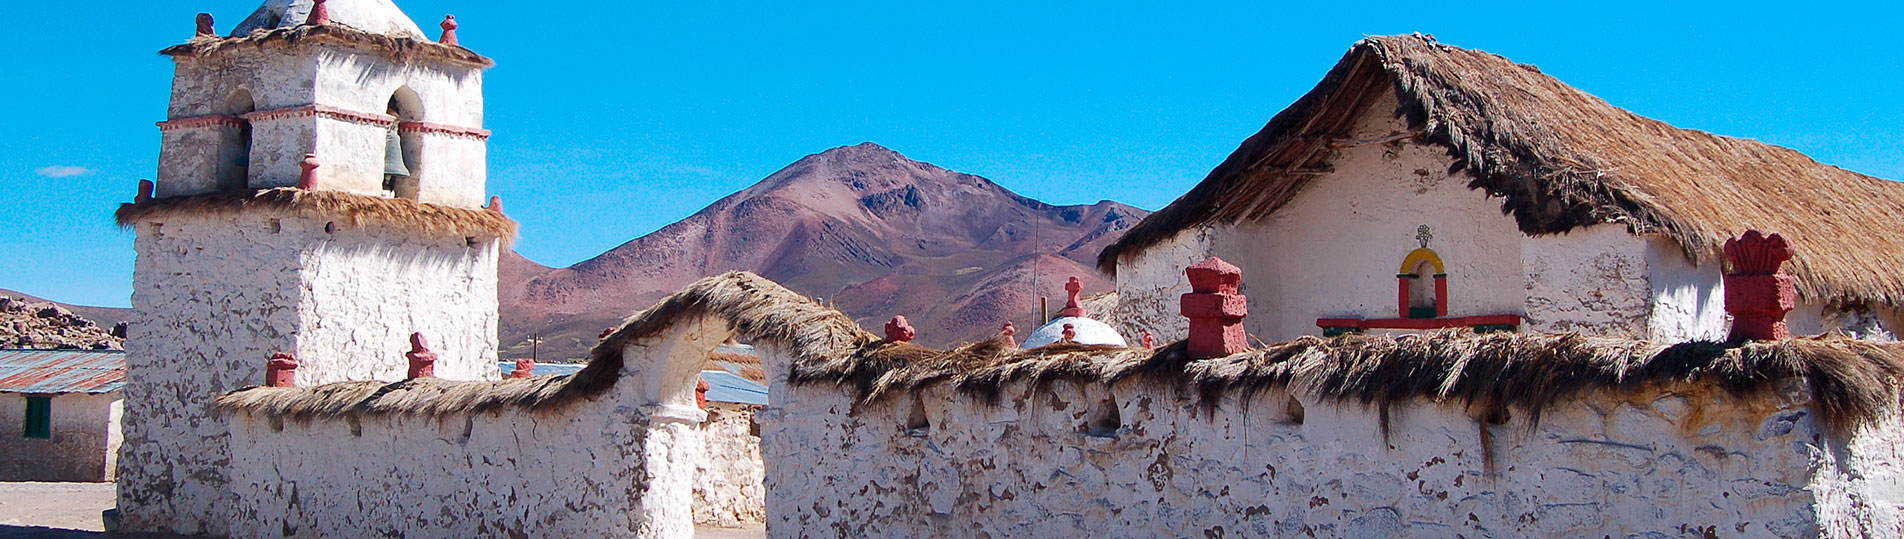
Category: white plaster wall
[1661,462]
[85,438]
[1593,280]
[215,296]
[189,158]
[1150,283]
[452,170]
[1688,301]
[365,291]
[1334,250]
[728,487]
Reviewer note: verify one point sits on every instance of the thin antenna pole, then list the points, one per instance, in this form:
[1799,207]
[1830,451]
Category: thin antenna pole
[535,347]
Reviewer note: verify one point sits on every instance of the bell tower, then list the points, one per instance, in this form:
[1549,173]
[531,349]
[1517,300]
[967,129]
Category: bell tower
[320,194]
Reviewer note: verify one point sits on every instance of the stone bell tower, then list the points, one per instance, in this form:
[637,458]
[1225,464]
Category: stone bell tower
[320,194]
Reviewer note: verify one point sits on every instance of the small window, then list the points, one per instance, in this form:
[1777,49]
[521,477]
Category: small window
[39,417]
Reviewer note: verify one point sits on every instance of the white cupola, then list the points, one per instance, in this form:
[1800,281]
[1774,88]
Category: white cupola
[1073,320]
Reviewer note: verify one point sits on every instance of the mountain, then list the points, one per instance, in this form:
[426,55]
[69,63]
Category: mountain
[32,323]
[861,227]
[104,316]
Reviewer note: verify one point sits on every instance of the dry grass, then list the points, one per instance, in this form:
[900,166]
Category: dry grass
[1852,381]
[396,48]
[1560,159]
[345,209]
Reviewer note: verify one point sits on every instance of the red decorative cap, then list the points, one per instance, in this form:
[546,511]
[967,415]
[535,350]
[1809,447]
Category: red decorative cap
[898,330]
[422,360]
[495,203]
[281,370]
[1213,275]
[525,368]
[1150,341]
[1008,332]
[449,30]
[606,333]
[319,14]
[700,392]
[205,25]
[308,179]
[1071,306]
[1070,333]
[145,191]
[1755,253]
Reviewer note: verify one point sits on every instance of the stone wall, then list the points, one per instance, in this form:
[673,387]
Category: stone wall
[214,296]
[84,445]
[728,486]
[1085,460]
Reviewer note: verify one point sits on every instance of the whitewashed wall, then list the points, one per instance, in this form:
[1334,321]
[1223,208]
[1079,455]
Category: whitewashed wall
[728,489]
[84,445]
[1661,462]
[214,296]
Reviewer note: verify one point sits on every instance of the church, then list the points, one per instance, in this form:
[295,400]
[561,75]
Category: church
[1442,294]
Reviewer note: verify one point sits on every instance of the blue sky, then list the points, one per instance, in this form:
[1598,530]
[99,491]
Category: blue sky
[615,118]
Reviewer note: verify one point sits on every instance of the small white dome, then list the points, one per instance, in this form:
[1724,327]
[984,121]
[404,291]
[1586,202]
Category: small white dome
[374,16]
[1090,332]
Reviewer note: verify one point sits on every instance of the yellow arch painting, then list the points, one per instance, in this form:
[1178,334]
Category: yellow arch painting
[1417,256]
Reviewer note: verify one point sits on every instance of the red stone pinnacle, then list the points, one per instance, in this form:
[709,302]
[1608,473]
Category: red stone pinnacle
[422,360]
[495,203]
[145,191]
[205,25]
[1071,306]
[307,180]
[281,370]
[1008,332]
[1070,333]
[1758,293]
[449,30]
[319,14]
[605,334]
[898,330]
[525,368]
[1215,309]
[1150,341]
[700,393]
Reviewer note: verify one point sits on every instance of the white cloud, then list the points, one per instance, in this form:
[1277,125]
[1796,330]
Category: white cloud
[63,171]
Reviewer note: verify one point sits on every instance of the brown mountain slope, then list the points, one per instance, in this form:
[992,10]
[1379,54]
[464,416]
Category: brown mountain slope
[861,226]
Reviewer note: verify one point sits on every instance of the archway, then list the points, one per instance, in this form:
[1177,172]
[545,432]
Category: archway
[233,172]
[403,150]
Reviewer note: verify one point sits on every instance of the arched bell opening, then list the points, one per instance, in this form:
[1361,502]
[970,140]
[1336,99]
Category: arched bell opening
[402,160]
[234,166]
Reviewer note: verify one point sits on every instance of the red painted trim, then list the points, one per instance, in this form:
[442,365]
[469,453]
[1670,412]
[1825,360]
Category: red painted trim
[195,122]
[324,111]
[1441,296]
[1402,302]
[1421,323]
[441,129]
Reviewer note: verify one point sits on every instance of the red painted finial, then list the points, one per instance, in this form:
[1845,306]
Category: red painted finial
[1758,292]
[205,25]
[898,330]
[1008,332]
[605,333]
[700,393]
[1070,333]
[495,203]
[449,30]
[525,368]
[307,180]
[145,191]
[281,370]
[1215,309]
[1071,306]
[1150,341]
[319,14]
[422,360]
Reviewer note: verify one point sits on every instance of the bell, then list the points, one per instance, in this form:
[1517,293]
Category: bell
[393,156]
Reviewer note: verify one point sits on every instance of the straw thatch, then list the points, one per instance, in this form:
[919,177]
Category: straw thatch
[345,209]
[398,48]
[1560,159]
[762,310]
[1852,381]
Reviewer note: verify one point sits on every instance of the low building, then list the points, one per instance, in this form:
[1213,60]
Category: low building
[59,414]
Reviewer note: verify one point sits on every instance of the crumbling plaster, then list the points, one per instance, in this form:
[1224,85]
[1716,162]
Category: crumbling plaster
[215,295]
[1662,461]
[728,489]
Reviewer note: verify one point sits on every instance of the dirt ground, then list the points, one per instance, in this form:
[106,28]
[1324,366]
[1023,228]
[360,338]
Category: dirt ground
[71,510]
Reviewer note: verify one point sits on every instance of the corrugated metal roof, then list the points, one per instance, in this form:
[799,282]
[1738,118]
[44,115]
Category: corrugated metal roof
[723,386]
[62,371]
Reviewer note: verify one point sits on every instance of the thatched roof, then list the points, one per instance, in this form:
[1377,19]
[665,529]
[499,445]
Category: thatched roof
[1560,158]
[395,47]
[1853,381]
[346,209]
